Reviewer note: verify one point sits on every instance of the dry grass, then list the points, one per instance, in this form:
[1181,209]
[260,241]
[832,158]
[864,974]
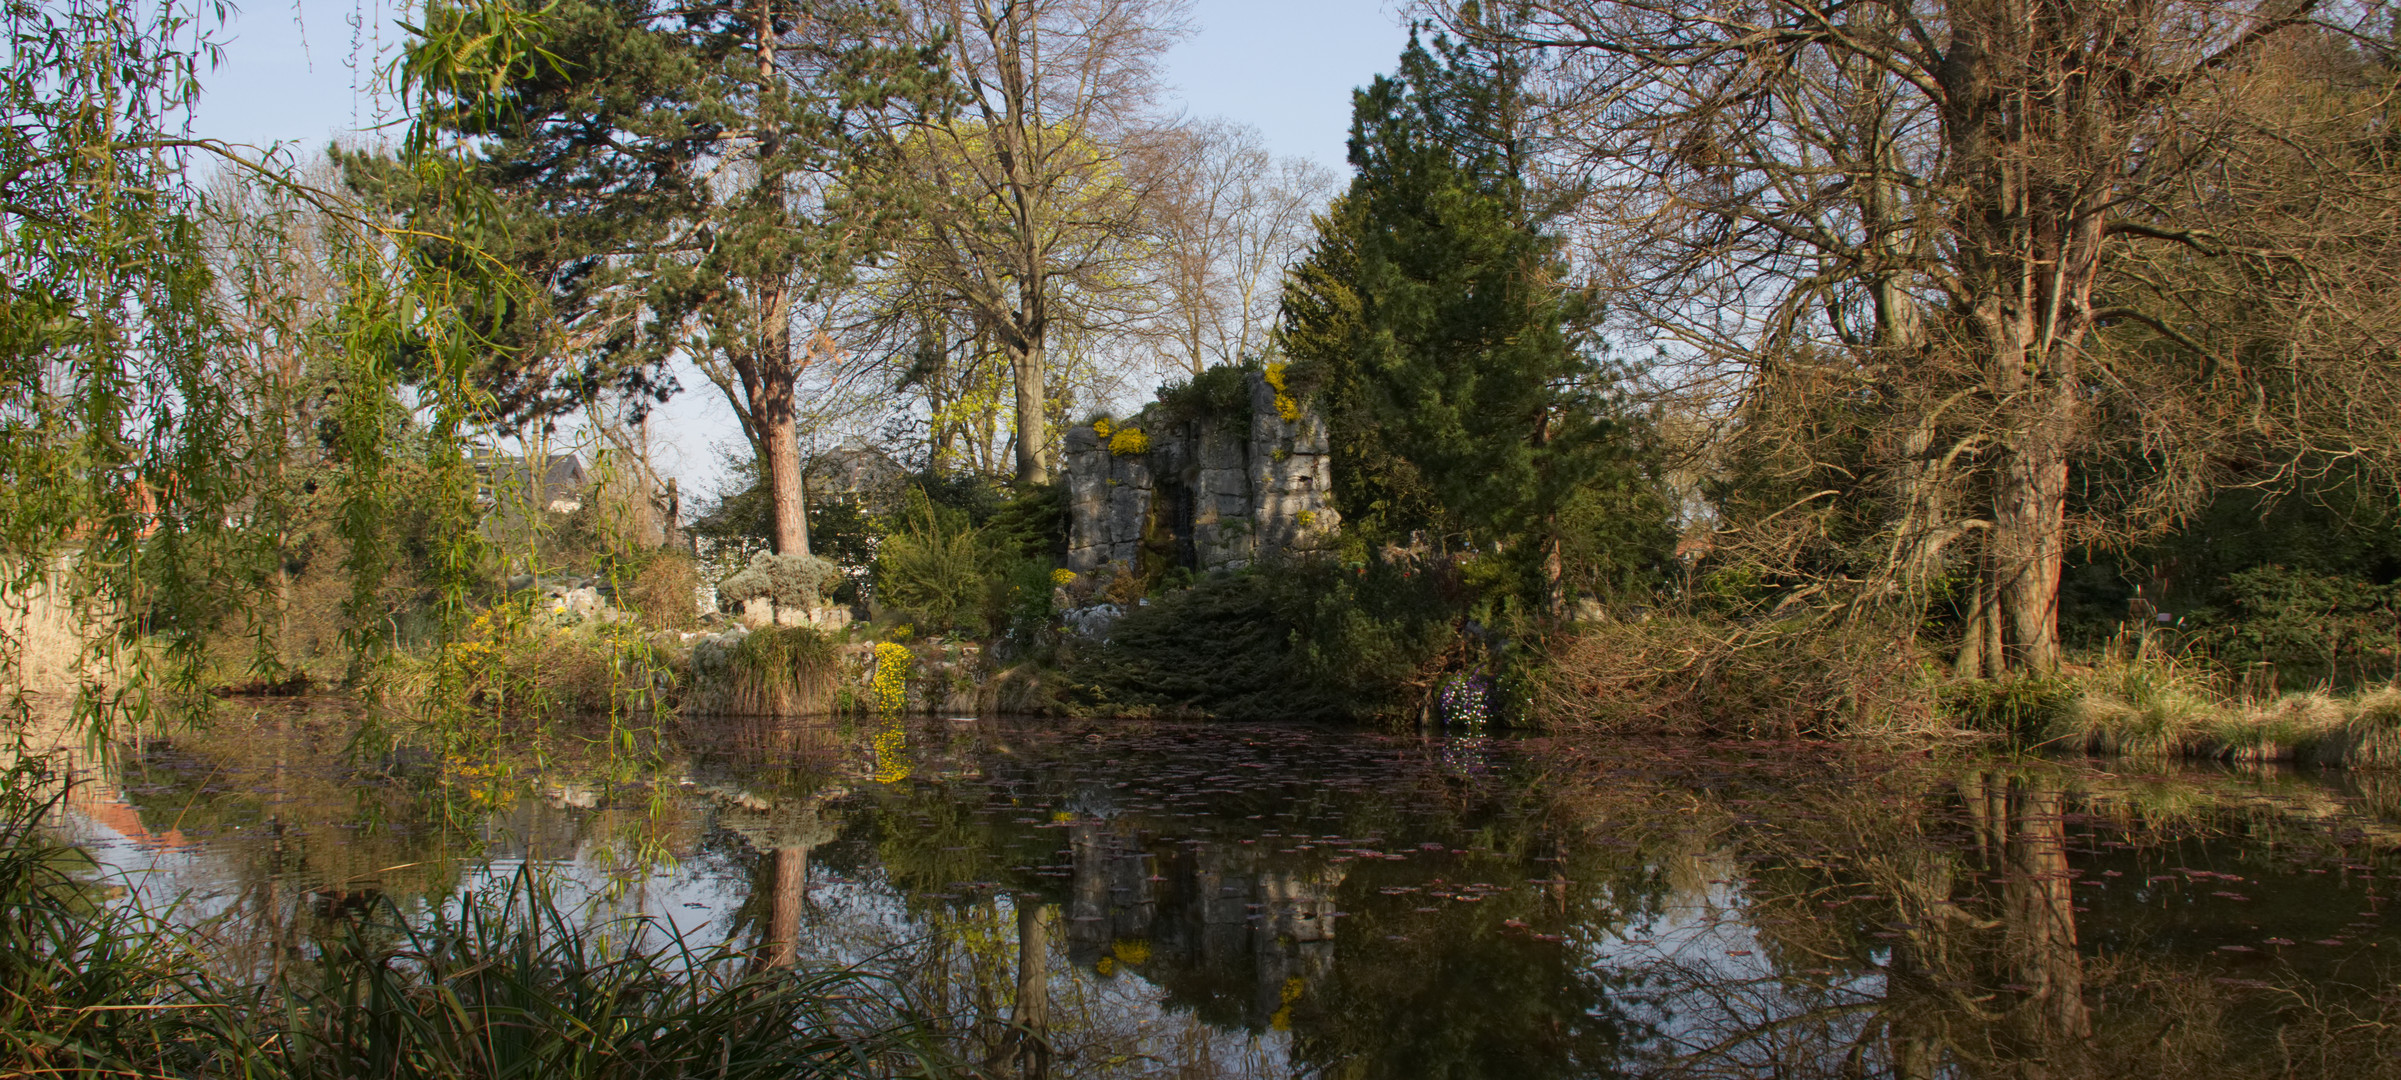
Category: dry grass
[2156,712]
[782,671]
[664,591]
[1678,674]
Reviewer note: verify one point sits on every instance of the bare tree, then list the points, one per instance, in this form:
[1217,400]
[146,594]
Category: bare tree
[1230,217]
[1895,237]
[1025,205]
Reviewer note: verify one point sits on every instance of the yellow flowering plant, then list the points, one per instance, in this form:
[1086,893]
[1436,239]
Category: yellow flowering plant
[1286,407]
[1128,441]
[888,691]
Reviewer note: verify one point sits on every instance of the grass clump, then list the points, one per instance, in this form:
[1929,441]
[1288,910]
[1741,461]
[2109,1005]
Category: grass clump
[776,671]
[2159,711]
[2024,712]
[2149,711]
[501,984]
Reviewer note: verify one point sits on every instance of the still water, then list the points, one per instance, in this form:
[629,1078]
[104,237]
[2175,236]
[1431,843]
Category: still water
[1198,901]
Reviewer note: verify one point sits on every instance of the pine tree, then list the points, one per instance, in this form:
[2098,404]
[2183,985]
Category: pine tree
[1466,391]
[677,176]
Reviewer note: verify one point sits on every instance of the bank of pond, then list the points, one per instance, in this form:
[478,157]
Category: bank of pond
[930,896]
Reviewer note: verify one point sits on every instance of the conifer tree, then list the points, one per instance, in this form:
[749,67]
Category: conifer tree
[679,176]
[1467,394]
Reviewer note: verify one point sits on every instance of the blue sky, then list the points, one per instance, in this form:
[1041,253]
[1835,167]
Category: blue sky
[294,71]
[292,68]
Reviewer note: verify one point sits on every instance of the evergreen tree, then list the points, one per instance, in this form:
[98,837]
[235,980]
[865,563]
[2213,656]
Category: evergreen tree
[676,176]
[1464,382]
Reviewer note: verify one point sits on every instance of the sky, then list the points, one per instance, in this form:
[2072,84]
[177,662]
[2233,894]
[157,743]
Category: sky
[298,71]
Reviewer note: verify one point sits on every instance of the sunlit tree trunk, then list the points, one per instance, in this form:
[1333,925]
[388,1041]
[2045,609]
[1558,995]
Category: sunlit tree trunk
[791,888]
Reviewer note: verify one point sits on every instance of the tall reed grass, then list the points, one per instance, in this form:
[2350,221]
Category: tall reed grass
[778,671]
[502,985]
[2158,710]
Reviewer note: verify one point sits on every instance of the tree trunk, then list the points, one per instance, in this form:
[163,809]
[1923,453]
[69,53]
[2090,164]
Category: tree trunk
[784,486]
[1029,1020]
[2029,539]
[2039,907]
[767,380]
[791,887]
[1025,367]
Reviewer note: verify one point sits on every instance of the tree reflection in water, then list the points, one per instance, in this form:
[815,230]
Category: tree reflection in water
[1165,900]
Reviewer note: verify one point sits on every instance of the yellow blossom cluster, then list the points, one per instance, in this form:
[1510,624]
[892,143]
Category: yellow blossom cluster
[1127,441]
[889,690]
[1286,407]
[480,646]
[1062,578]
[1289,996]
[892,754]
[1102,428]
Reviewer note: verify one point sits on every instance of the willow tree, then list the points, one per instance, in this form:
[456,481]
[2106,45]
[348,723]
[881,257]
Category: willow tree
[130,469]
[122,445]
[1896,239]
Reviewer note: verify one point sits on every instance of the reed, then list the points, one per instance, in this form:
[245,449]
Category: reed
[782,671]
[500,985]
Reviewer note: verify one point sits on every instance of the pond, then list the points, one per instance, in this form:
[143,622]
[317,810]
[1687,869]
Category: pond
[1211,900]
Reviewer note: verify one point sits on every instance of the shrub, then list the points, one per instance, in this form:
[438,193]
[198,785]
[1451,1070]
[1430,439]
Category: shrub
[1298,640]
[664,591]
[1686,674]
[933,568]
[791,581]
[2319,625]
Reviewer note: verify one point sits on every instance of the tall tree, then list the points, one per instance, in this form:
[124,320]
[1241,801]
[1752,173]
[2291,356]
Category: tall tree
[1897,236]
[684,177]
[1023,190]
[1434,313]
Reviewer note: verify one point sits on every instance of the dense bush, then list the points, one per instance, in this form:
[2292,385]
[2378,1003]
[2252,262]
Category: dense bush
[1702,675]
[791,581]
[1298,640]
[934,567]
[2312,625]
[964,557]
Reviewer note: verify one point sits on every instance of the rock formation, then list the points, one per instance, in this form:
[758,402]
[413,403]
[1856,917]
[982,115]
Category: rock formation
[1215,491]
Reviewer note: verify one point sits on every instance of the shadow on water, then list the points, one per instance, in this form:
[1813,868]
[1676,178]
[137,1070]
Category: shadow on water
[1149,899]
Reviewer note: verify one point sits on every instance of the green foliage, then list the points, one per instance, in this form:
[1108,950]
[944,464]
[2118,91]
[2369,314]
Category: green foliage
[1463,385]
[795,582]
[2309,583]
[935,567]
[1286,641]
[2025,711]
[2309,624]
[1034,522]
[1219,393]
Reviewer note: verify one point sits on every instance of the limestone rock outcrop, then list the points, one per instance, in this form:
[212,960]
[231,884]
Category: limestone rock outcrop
[1209,492]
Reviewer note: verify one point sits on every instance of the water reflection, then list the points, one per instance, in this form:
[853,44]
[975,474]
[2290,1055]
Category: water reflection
[1164,900]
